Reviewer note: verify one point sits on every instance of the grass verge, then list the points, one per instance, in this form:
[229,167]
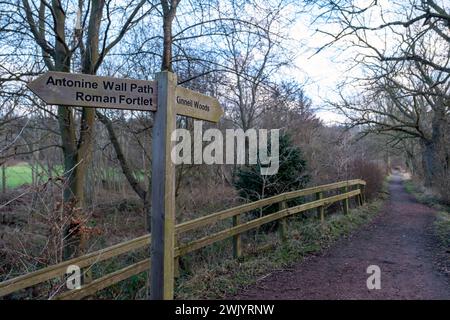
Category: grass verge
[442,233]
[442,222]
[441,226]
[424,196]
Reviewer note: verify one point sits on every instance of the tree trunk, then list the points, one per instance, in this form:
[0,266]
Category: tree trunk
[77,154]
[4,177]
[433,165]
[169,11]
[428,162]
[68,138]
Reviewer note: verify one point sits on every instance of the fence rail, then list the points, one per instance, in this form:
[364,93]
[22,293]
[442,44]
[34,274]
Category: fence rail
[59,270]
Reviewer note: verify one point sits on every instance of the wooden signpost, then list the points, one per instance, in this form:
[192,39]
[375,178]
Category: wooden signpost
[167,100]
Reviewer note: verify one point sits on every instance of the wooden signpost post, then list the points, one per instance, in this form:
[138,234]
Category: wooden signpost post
[166,99]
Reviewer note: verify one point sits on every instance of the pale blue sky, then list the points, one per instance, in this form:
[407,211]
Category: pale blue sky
[326,69]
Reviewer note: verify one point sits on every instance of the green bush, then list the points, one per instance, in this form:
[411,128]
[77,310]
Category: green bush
[253,186]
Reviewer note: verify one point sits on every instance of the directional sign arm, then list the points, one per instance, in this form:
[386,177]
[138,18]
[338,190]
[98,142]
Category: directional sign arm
[75,89]
[196,105]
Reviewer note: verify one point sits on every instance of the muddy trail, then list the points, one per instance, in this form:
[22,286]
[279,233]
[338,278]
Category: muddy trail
[399,240]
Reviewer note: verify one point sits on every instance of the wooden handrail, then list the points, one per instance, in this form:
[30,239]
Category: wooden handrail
[227,233]
[57,270]
[106,281]
[228,213]
[32,278]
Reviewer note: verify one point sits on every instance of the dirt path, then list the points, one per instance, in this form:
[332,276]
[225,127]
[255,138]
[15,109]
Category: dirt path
[399,241]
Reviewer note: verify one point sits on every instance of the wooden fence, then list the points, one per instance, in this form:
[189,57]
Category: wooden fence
[346,189]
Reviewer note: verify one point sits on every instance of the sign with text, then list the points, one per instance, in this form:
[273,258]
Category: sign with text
[196,105]
[75,89]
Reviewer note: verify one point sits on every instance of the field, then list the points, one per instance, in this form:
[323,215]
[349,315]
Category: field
[21,173]
[18,175]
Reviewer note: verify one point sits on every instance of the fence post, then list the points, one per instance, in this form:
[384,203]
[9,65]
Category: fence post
[363,193]
[87,275]
[237,249]
[4,177]
[345,201]
[282,222]
[359,198]
[321,209]
[176,260]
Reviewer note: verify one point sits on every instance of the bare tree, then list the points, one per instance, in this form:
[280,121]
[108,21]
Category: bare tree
[405,56]
[71,36]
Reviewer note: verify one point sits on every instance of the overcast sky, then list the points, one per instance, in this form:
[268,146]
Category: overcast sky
[323,71]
